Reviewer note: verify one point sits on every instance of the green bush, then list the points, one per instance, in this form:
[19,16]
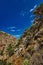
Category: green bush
[1,52]
[26,62]
[3,62]
[10,49]
[9,64]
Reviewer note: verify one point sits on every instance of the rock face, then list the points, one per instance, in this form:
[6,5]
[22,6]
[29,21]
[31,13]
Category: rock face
[28,50]
[37,59]
[32,39]
[6,39]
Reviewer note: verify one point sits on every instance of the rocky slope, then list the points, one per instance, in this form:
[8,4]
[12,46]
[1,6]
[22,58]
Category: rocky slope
[7,44]
[31,42]
[6,38]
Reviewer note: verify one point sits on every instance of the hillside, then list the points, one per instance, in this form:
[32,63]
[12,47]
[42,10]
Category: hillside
[7,42]
[28,50]
[6,39]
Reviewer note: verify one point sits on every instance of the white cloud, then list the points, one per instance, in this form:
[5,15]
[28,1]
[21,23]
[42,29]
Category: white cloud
[33,8]
[11,27]
[24,12]
[12,30]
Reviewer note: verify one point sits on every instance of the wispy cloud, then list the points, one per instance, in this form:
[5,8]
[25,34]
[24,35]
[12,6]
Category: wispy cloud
[12,30]
[13,27]
[33,8]
[24,12]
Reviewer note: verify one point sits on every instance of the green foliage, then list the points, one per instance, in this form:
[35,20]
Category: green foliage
[2,62]
[1,52]
[10,49]
[29,57]
[26,62]
[9,64]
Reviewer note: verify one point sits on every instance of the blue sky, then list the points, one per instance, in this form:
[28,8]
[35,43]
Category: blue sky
[16,15]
